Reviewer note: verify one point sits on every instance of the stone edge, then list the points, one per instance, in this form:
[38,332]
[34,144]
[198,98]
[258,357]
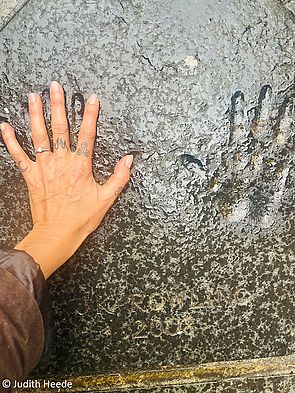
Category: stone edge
[9,10]
[178,375]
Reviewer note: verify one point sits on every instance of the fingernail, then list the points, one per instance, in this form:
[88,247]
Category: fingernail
[3,126]
[93,99]
[54,85]
[129,160]
[32,98]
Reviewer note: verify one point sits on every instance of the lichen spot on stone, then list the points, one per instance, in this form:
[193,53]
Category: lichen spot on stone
[191,61]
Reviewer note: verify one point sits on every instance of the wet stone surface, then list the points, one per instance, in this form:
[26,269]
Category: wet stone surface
[195,262]
[8,8]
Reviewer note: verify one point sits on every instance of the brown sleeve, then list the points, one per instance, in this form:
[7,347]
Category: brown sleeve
[25,315]
[21,329]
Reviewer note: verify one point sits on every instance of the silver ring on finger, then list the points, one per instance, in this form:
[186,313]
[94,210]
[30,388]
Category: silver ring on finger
[41,149]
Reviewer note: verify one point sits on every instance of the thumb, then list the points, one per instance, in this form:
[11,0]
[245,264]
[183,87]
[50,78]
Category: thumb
[120,177]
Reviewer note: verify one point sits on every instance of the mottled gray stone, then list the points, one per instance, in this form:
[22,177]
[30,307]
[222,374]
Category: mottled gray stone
[195,263]
[8,8]
[290,5]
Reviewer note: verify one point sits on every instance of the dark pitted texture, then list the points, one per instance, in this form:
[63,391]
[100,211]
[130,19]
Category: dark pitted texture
[195,262]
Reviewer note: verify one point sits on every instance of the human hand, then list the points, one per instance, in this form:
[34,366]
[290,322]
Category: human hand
[66,202]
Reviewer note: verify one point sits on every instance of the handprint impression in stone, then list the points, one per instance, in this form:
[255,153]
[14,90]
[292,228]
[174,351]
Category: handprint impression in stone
[259,156]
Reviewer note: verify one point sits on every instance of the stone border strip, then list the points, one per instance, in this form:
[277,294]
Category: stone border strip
[178,375]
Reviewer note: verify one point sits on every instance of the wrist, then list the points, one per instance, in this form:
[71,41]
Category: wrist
[50,248]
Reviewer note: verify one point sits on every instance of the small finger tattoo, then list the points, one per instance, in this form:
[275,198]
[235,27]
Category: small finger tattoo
[60,143]
[83,149]
[20,168]
[118,191]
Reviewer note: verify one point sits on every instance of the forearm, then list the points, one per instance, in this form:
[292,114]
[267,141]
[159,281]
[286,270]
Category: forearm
[50,249]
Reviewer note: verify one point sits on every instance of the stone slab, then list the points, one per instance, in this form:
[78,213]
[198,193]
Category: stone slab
[195,262]
[8,9]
